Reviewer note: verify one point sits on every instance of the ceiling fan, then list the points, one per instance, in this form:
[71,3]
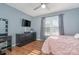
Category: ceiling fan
[42,5]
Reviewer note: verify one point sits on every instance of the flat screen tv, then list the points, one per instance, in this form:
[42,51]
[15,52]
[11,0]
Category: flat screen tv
[26,23]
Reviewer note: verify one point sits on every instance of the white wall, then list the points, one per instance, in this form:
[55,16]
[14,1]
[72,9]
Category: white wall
[71,22]
[14,17]
[36,24]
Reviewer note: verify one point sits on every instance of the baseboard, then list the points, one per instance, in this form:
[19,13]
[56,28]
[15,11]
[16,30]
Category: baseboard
[13,45]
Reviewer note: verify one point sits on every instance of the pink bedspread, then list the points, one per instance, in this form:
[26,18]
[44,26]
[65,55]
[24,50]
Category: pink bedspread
[61,45]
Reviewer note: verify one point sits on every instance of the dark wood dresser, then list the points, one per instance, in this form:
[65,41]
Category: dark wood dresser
[7,39]
[6,43]
[23,39]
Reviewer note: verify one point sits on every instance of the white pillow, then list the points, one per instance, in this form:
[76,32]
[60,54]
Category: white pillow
[76,35]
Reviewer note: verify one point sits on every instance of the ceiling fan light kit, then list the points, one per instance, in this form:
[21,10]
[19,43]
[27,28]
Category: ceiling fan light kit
[43,6]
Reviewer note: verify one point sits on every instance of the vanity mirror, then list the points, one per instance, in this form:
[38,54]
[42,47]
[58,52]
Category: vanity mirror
[3,27]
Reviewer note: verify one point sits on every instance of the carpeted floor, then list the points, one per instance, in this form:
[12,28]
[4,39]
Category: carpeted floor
[33,48]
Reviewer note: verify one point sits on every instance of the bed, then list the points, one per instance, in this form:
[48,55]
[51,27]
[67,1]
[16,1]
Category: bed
[61,45]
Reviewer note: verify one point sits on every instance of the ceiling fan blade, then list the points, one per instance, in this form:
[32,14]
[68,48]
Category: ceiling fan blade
[47,7]
[37,7]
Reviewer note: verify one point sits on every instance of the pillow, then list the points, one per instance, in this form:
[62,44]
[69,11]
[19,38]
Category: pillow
[76,36]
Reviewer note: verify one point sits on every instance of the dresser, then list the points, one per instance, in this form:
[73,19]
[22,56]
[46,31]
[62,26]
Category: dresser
[25,38]
[7,39]
[5,43]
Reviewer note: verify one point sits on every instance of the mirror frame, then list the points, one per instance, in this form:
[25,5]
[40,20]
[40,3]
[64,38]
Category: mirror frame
[6,27]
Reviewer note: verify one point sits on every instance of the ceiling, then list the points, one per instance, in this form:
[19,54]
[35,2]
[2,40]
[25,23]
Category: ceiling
[52,7]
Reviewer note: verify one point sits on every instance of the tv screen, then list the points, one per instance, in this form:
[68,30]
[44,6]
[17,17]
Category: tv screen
[26,23]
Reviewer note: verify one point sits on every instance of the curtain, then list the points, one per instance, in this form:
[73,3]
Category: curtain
[61,27]
[42,29]
[61,24]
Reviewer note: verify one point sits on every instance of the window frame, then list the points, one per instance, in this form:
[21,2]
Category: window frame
[51,27]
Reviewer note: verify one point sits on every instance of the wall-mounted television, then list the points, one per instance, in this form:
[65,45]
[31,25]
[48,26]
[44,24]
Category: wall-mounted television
[26,23]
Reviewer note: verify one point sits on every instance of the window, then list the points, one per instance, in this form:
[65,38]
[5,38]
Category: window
[51,26]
